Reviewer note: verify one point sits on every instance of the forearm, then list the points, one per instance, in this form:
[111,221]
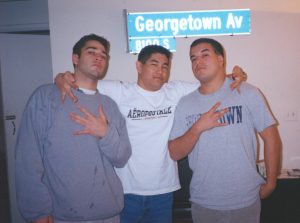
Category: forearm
[183,145]
[272,154]
[116,146]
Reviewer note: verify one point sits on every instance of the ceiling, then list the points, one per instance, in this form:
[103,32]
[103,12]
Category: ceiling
[12,0]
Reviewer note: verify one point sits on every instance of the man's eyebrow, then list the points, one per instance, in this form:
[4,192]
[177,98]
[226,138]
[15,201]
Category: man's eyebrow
[94,48]
[91,47]
[157,61]
[201,51]
[153,61]
[204,50]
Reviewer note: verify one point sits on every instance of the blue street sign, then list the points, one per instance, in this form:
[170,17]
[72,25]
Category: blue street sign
[161,26]
[136,44]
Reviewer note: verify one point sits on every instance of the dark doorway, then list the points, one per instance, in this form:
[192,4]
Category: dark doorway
[4,196]
[182,205]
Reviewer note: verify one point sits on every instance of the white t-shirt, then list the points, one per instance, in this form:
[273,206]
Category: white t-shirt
[149,119]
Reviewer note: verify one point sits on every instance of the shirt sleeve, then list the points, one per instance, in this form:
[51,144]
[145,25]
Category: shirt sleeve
[258,108]
[111,88]
[183,87]
[32,194]
[115,144]
[178,128]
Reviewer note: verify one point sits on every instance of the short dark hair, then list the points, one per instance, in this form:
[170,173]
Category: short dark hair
[147,51]
[81,43]
[218,48]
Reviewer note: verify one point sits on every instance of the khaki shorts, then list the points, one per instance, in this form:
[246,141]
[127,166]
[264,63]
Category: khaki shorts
[250,214]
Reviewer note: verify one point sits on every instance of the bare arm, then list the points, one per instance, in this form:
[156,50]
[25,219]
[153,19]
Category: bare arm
[272,152]
[183,145]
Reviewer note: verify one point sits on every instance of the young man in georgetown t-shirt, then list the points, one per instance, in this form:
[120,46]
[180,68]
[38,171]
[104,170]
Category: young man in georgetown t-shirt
[225,185]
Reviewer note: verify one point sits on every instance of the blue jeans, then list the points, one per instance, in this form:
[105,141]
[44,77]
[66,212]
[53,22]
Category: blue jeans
[147,209]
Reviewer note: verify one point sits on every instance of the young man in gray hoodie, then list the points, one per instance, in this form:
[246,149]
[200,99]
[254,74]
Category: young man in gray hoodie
[64,170]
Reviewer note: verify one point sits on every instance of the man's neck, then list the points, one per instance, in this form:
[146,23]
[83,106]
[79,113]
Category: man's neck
[212,86]
[85,82]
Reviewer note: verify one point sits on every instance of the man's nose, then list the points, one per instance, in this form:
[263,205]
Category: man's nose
[199,61]
[99,57]
[160,69]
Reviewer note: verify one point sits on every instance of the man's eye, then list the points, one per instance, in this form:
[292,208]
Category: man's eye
[193,59]
[91,52]
[103,57]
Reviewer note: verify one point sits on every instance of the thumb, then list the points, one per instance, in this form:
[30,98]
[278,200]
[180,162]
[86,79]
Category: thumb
[101,112]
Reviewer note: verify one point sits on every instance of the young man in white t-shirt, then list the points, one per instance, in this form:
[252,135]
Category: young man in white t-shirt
[150,176]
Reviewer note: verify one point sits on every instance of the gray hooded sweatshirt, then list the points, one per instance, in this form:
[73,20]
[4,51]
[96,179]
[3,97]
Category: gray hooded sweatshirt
[70,177]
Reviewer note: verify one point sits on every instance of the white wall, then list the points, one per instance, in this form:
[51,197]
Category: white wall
[269,54]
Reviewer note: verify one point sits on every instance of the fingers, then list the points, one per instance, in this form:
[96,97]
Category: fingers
[239,76]
[214,108]
[92,124]
[236,69]
[70,83]
[238,72]
[82,120]
[235,85]
[78,119]
[80,132]
[66,81]
[72,96]
[263,193]
[222,112]
[266,190]
[239,89]
[218,115]
[69,76]
[62,96]
[85,112]
[70,79]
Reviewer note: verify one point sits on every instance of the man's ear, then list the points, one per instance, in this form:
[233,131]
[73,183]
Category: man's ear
[221,60]
[138,66]
[75,59]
